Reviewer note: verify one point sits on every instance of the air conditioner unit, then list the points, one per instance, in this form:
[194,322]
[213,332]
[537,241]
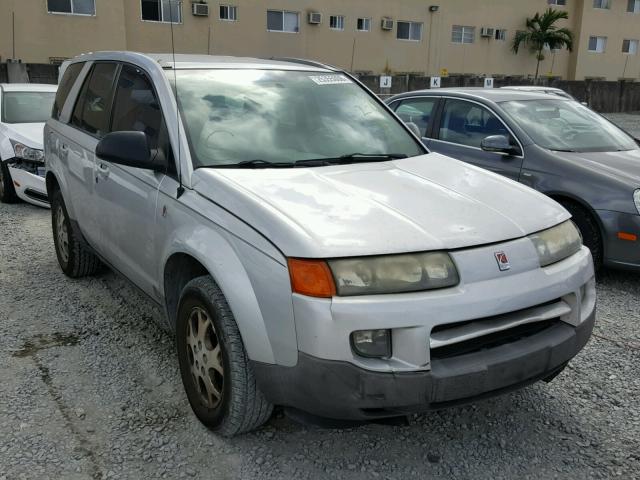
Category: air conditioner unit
[200,9]
[487,32]
[315,18]
[387,23]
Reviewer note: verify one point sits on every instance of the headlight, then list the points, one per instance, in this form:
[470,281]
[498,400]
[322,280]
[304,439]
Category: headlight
[636,199]
[393,273]
[27,153]
[557,243]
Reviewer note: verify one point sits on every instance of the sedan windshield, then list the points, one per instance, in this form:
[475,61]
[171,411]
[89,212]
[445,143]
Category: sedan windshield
[27,107]
[263,118]
[567,126]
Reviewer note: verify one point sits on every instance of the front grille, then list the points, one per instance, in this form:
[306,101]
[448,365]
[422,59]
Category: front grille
[470,336]
[492,340]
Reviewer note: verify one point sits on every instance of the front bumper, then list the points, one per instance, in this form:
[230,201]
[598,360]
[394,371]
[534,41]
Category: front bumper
[619,253]
[29,183]
[340,390]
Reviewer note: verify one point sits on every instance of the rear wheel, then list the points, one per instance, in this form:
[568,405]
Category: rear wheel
[7,190]
[215,370]
[74,256]
[588,229]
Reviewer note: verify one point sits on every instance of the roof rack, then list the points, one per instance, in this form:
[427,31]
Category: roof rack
[302,61]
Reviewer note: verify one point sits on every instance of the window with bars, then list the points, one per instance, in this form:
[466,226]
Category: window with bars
[463,34]
[602,4]
[633,6]
[559,3]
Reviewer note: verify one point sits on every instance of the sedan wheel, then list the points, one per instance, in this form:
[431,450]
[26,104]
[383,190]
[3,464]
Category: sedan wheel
[7,190]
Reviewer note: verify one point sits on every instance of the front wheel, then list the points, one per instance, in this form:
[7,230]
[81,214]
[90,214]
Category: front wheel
[215,370]
[588,229]
[7,190]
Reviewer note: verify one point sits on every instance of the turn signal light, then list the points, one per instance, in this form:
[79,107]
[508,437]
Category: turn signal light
[627,236]
[311,278]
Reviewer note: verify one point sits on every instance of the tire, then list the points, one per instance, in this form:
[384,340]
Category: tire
[74,256]
[214,366]
[589,230]
[7,190]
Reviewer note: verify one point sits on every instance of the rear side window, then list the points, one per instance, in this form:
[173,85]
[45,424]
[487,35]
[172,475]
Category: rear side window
[136,107]
[93,108]
[68,79]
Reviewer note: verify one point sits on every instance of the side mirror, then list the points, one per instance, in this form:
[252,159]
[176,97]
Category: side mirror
[128,148]
[414,129]
[498,144]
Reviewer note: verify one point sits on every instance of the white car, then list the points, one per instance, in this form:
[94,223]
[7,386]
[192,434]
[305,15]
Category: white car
[24,108]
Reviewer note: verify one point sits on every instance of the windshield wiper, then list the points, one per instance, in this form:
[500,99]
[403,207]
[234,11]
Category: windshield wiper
[352,158]
[257,163]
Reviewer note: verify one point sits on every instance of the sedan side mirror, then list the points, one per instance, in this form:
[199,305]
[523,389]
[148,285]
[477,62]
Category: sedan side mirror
[128,148]
[414,129]
[499,144]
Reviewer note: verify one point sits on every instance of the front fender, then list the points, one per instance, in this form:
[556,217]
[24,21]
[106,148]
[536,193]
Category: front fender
[256,285]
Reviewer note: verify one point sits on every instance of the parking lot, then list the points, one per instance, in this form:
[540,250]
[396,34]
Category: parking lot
[90,388]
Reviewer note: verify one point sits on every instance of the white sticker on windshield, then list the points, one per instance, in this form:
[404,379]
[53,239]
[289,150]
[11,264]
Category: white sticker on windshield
[329,79]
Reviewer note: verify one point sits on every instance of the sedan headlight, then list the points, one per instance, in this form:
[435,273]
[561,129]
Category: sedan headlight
[393,273]
[636,199]
[557,243]
[27,153]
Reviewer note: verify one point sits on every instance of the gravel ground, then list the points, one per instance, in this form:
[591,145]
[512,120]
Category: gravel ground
[89,388]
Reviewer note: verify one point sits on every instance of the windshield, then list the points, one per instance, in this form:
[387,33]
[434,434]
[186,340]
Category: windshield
[234,116]
[564,125]
[27,107]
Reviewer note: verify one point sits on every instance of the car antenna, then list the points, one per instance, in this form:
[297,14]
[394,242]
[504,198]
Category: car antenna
[175,86]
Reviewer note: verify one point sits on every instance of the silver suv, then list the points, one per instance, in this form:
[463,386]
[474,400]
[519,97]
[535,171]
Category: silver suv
[308,250]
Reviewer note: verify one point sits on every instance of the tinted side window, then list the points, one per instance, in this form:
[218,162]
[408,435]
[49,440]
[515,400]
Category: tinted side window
[93,108]
[418,111]
[468,123]
[136,107]
[68,79]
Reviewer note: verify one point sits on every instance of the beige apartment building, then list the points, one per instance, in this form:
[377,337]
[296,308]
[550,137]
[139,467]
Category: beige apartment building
[401,36]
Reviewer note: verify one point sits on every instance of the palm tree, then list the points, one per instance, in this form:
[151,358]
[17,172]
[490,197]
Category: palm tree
[542,32]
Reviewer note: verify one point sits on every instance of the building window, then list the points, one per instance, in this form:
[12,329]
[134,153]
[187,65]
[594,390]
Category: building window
[633,6]
[462,34]
[228,13]
[364,24]
[73,7]
[630,46]
[602,4]
[282,21]
[168,11]
[597,44]
[501,34]
[409,31]
[559,3]
[336,22]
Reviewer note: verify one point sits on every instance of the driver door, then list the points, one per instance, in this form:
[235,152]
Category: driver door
[460,130]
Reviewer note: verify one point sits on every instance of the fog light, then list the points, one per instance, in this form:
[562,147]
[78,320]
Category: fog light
[372,343]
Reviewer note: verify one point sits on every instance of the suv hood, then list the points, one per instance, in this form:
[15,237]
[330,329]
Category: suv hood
[624,165]
[30,134]
[430,202]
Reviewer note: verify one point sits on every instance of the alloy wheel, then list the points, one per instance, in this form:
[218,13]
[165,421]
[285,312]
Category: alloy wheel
[62,235]
[205,357]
